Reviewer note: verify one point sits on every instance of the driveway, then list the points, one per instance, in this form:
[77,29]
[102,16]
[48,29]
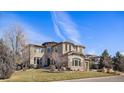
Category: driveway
[119,78]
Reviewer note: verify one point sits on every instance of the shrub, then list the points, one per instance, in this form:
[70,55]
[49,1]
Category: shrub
[63,68]
[6,63]
[52,68]
[100,70]
[5,70]
[121,66]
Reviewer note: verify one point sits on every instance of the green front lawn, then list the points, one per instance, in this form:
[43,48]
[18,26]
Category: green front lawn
[39,75]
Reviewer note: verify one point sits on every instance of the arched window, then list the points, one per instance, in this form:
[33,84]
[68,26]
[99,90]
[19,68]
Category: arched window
[48,49]
[69,47]
[66,47]
[76,62]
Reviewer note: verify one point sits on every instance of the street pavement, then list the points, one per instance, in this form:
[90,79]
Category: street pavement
[119,78]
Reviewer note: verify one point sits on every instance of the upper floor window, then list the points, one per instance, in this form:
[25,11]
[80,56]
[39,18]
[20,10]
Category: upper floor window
[69,47]
[38,50]
[48,49]
[80,49]
[76,49]
[66,47]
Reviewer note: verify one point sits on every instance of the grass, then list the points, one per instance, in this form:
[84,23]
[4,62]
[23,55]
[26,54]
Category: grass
[40,75]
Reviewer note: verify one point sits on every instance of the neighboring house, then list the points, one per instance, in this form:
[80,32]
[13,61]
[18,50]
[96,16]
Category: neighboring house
[94,61]
[60,54]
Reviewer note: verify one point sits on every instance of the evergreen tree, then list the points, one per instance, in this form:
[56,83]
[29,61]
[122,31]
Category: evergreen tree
[118,61]
[105,60]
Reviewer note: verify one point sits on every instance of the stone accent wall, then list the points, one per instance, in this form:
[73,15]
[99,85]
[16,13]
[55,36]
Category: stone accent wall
[70,59]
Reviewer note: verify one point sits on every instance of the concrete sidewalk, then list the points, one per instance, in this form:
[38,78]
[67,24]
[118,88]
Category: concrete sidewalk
[118,78]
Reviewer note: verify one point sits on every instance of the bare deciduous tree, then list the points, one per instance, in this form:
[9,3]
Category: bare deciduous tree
[16,40]
[58,60]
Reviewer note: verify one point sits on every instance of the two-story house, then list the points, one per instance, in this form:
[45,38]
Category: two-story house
[60,54]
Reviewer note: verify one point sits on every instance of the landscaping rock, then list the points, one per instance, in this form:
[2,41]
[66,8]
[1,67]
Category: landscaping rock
[63,68]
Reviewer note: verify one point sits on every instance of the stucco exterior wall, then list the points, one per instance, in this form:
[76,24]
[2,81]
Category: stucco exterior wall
[73,48]
[59,49]
[63,48]
[59,54]
[35,53]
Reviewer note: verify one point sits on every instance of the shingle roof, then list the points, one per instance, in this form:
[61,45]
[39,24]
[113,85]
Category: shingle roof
[69,43]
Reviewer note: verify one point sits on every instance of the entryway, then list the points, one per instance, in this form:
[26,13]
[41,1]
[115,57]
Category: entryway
[48,62]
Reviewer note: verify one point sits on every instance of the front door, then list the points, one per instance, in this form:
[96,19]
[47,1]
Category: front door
[48,62]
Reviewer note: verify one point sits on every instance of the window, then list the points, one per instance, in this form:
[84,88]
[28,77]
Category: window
[73,63]
[76,62]
[69,47]
[79,63]
[76,49]
[81,50]
[38,61]
[66,47]
[38,50]
[34,60]
[49,49]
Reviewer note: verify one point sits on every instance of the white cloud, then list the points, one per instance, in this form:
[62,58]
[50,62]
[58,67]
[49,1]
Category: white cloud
[56,27]
[33,35]
[65,28]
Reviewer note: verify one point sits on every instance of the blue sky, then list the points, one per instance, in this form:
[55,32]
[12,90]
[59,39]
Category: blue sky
[95,30]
